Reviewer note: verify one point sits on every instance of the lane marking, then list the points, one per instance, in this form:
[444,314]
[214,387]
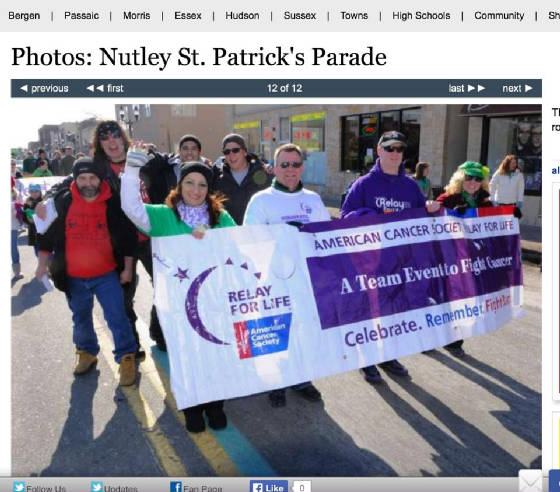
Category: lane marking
[213,452]
[168,458]
[227,451]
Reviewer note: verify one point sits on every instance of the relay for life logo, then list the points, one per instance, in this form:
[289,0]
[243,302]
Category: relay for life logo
[260,309]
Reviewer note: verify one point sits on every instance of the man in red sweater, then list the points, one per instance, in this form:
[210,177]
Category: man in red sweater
[93,244]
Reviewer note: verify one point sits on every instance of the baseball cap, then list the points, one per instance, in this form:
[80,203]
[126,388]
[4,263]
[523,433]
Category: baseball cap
[392,137]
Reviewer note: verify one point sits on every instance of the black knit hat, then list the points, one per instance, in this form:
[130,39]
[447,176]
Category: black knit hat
[197,167]
[234,137]
[87,165]
[190,138]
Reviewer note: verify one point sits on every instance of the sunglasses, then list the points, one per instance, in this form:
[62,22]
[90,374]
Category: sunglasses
[235,150]
[471,178]
[295,165]
[107,133]
[391,149]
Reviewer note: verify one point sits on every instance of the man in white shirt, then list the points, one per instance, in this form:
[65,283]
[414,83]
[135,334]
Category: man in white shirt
[287,201]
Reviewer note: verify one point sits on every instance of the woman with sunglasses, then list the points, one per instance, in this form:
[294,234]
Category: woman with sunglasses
[468,188]
[190,208]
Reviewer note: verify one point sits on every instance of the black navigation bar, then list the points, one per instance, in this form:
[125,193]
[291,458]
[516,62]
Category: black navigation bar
[251,88]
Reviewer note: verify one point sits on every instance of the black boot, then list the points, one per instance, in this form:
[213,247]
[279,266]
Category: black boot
[216,417]
[194,419]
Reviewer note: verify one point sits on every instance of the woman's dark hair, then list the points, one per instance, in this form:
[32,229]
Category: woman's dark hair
[98,152]
[215,202]
[419,173]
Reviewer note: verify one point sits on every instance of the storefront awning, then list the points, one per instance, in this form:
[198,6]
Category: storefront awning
[499,109]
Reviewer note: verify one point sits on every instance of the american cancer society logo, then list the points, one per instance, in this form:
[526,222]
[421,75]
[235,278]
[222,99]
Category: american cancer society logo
[263,335]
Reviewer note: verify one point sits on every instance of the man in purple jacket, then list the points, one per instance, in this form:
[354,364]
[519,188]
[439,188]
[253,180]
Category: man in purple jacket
[385,189]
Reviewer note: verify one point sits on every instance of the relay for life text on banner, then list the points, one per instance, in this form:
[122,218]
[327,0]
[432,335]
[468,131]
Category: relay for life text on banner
[249,309]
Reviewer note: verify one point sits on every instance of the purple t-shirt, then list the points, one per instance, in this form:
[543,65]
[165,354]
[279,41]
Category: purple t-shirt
[378,192]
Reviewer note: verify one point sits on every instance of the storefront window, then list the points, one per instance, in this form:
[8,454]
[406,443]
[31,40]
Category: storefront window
[266,137]
[350,143]
[389,121]
[361,154]
[410,126]
[308,131]
[284,129]
[522,136]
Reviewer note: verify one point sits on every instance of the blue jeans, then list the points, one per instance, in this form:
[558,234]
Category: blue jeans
[109,293]
[15,252]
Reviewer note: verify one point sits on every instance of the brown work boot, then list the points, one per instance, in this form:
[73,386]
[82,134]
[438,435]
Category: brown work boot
[85,362]
[128,370]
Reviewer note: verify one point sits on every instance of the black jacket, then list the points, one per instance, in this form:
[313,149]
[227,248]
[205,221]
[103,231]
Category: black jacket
[159,176]
[238,196]
[124,238]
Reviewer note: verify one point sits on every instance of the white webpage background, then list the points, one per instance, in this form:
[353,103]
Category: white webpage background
[410,55]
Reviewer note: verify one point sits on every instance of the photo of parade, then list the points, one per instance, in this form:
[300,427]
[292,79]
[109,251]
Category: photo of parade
[276,290]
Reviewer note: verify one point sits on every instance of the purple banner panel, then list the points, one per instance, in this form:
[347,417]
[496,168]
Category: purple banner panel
[353,287]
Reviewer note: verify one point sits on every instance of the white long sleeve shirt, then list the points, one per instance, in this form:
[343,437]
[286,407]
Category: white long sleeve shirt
[131,199]
[272,206]
[507,188]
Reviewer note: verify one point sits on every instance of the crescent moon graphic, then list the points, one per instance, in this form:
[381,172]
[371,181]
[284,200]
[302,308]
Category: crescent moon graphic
[191,307]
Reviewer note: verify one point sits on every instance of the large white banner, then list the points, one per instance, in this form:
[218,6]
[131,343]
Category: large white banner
[249,309]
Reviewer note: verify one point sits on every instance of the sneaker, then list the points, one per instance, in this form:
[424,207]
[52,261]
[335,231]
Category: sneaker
[85,362]
[194,421]
[310,393]
[277,398]
[372,375]
[216,418]
[394,367]
[128,370]
[456,351]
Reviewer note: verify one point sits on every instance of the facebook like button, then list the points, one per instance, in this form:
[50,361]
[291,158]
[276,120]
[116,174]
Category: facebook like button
[554,480]
[268,486]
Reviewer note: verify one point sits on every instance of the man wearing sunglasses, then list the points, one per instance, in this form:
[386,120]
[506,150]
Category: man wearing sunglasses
[241,176]
[385,189]
[287,201]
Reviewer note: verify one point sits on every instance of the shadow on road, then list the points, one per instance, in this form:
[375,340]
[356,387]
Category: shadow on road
[467,451]
[302,439]
[115,452]
[524,416]
[29,295]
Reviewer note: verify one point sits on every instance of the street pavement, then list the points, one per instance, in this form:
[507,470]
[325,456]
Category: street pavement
[477,416]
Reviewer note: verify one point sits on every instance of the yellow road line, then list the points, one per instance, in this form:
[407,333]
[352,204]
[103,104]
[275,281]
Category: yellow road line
[209,447]
[168,458]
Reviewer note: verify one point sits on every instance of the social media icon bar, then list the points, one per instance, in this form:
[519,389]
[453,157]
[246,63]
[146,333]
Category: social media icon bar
[96,486]
[19,486]
[175,486]
[268,486]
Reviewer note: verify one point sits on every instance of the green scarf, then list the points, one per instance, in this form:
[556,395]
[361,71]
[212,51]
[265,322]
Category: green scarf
[280,187]
[471,200]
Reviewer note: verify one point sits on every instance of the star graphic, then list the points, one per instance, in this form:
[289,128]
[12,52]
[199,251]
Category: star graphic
[181,274]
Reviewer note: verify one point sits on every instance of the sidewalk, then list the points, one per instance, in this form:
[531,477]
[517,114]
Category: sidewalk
[531,238]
